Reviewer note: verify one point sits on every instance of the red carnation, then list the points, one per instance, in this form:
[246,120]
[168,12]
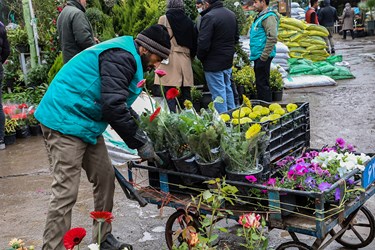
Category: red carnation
[73,237]
[23,105]
[101,216]
[155,114]
[141,83]
[160,72]
[172,93]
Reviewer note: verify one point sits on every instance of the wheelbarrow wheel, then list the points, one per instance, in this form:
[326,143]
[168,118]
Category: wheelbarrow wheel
[360,232]
[293,245]
[177,222]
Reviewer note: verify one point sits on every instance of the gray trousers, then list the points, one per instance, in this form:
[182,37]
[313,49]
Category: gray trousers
[69,155]
[329,40]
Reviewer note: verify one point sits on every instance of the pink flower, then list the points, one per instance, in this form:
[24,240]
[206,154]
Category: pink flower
[350,147]
[160,72]
[271,182]
[250,220]
[340,142]
[251,178]
[290,174]
[141,83]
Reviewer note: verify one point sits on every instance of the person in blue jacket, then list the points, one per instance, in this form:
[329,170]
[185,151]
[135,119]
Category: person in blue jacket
[263,39]
[95,88]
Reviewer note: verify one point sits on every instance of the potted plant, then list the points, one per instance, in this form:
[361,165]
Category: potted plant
[203,135]
[245,81]
[277,85]
[37,76]
[34,124]
[10,73]
[19,37]
[242,145]
[10,131]
[196,97]
[22,130]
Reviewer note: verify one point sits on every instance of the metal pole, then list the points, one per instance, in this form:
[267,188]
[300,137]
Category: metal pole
[30,34]
[35,30]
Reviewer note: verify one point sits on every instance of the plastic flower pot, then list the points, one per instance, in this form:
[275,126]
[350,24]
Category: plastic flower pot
[277,96]
[35,130]
[186,164]
[10,139]
[23,132]
[166,158]
[240,176]
[213,169]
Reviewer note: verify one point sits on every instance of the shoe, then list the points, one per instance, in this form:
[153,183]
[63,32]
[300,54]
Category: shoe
[2,145]
[332,51]
[111,243]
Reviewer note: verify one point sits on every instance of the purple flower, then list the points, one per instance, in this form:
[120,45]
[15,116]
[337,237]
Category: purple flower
[340,142]
[336,177]
[271,182]
[300,160]
[350,182]
[310,182]
[314,154]
[350,147]
[337,194]
[290,174]
[289,158]
[251,178]
[324,186]
[281,163]
[301,169]
[328,149]
[307,155]
[264,191]
[326,173]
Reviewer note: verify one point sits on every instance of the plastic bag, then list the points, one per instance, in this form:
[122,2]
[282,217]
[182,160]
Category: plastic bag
[292,44]
[290,27]
[298,49]
[296,54]
[316,47]
[281,48]
[293,22]
[297,37]
[301,68]
[286,33]
[334,59]
[317,33]
[307,81]
[314,27]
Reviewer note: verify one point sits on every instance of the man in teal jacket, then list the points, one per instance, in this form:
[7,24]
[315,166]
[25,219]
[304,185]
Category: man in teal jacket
[263,38]
[95,88]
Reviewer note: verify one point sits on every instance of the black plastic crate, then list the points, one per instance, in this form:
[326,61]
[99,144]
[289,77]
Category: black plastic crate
[290,132]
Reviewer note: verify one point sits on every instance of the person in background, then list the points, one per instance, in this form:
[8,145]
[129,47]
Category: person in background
[4,53]
[199,6]
[347,20]
[263,39]
[217,38]
[95,88]
[183,49]
[74,29]
[311,16]
[327,16]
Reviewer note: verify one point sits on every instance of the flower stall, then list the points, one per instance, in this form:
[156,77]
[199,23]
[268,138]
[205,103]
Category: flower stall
[253,158]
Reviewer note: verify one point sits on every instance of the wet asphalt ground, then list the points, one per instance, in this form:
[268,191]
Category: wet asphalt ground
[346,110]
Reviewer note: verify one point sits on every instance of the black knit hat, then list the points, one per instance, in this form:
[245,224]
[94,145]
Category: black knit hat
[156,40]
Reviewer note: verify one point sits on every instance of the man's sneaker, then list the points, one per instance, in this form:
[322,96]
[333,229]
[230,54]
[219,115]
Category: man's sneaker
[2,145]
[111,243]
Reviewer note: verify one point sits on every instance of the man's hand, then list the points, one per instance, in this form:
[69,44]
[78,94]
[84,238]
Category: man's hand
[96,40]
[147,152]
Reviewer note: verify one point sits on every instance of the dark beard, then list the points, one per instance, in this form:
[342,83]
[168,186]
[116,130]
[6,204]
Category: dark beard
[145,59]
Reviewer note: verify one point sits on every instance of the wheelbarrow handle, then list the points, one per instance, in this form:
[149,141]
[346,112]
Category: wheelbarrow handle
[128,189]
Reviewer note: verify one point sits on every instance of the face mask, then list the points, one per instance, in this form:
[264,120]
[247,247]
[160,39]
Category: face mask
[200,10]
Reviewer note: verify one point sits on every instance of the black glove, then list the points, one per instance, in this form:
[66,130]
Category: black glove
[147,152]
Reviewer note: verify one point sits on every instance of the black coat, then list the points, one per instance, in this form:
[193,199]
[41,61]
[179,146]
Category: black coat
[117,69]
[217,37]
[4,44]
[327,15]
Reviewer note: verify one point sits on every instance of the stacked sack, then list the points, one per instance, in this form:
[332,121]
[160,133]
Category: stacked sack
[282,56]
[303,40]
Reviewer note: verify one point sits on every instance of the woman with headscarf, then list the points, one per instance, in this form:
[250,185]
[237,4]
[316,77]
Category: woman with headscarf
[347,20]
[183,48]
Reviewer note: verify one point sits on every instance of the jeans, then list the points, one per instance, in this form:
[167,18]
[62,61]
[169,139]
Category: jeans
[219,84]
[262,79]
[2,116]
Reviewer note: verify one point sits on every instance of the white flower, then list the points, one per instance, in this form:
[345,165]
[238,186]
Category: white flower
[94,246]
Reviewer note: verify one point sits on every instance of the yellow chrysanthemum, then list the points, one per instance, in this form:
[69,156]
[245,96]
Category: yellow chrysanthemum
[257,108]
[274,117]
[279,111]
[274,106]
[238,113]
[246,101]
[264,119]
[291,107]
[188,104]
[225,117]
[247,110]
[16,242]
[264,111]
[241,120]
[253,130]
[254,115]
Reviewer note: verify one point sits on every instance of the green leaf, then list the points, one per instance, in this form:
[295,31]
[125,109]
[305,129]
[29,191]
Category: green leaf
[207,194]
[223,229]
[219,99]
[213,238]
[255,236]
[229,212]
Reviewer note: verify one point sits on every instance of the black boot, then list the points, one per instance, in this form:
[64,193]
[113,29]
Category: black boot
[111,243]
